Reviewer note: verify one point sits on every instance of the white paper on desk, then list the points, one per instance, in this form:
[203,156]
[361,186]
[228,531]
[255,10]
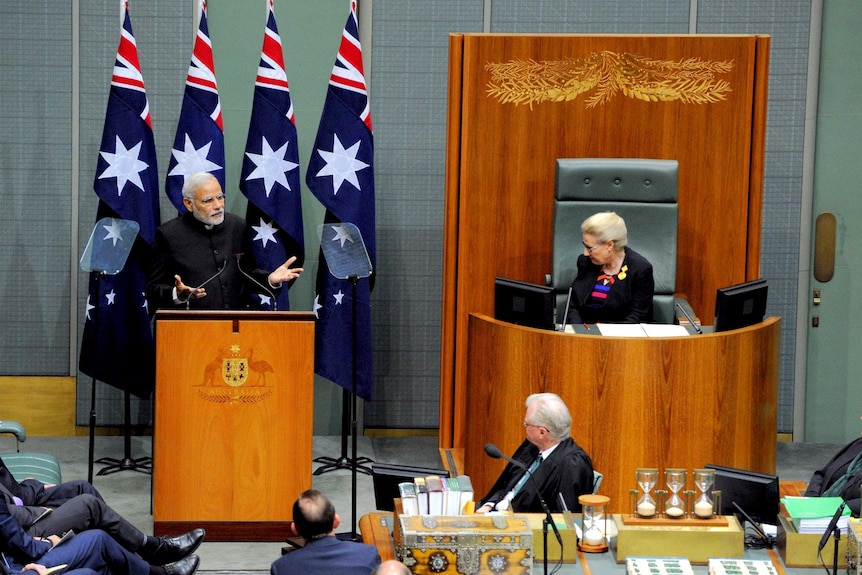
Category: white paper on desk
[621,329]
[664,330]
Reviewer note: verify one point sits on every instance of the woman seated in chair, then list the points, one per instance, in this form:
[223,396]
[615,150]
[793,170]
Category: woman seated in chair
[614,283]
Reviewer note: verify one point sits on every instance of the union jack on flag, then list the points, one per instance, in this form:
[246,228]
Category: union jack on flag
[117,346]
[270,167]
[199,142]
[341,175]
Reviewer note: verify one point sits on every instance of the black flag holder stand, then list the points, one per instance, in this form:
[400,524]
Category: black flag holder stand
[101,261]
[127,463]
[350,263]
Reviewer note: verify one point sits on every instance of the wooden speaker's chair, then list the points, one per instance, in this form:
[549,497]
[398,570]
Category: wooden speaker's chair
[644,193]
[22,465]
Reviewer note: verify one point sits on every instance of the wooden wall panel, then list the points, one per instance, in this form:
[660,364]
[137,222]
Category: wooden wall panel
[501,197]
[646,402]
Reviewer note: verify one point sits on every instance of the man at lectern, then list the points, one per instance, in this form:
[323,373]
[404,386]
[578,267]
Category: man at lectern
[614,283]
[315,520]
[197,256]
[557,464]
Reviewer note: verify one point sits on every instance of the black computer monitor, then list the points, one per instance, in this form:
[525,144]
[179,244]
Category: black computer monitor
[755,493]
[740,305]
[524,303]
[387,476]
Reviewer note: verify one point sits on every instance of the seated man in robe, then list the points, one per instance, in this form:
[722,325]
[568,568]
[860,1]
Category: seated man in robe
[557,464]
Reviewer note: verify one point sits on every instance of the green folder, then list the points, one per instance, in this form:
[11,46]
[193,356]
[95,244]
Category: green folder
[813,514]
[813,507]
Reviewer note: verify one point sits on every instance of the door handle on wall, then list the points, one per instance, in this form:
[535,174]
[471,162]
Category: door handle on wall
[824,247]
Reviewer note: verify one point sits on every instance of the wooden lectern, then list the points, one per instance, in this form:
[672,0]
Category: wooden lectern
[233,422]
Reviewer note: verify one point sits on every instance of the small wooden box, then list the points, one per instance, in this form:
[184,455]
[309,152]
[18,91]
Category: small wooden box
[468,544]
[800,549]
[697,541]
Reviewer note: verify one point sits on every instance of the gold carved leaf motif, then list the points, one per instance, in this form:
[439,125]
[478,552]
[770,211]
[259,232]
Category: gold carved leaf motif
[527,82]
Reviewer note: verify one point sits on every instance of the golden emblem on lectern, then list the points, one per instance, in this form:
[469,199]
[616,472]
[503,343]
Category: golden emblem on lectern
[234,371]
[528,82]
[244,378]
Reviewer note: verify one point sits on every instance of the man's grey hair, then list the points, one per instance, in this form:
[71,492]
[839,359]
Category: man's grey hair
[195,181]
[551,413]
[391,567]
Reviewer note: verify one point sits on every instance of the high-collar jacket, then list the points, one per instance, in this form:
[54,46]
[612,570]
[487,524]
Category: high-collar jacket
[185,247]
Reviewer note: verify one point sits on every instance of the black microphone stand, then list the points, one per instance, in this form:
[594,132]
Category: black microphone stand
[835,551]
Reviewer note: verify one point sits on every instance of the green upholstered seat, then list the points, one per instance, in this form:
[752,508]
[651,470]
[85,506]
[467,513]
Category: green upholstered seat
[41,466]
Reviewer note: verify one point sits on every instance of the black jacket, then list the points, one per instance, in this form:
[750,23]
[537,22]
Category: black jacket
[630,299]
[568,470]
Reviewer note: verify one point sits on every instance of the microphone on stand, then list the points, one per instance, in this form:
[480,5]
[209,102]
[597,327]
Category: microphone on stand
[494,452]
[206,281]
[831,528]
[268,291]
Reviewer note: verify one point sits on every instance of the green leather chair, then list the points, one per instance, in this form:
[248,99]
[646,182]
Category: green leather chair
[40,466]
[644,193]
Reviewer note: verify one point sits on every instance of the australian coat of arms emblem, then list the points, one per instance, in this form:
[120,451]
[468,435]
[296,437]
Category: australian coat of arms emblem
[235,377]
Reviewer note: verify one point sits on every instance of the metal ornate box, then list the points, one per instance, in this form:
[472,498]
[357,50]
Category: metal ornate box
[466,545]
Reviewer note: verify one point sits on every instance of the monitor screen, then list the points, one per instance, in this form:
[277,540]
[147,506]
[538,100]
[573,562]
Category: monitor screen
[523,303]
[755,493]
[387,476]
[740,305]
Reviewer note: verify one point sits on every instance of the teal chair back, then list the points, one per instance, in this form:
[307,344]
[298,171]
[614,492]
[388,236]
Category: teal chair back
[644,193]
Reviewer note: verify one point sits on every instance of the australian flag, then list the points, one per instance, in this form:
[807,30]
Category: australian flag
[117,345]
[199,143]
[270,167]
[341,175]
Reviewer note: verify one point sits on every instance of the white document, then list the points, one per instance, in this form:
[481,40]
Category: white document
[664,330]
[622,329]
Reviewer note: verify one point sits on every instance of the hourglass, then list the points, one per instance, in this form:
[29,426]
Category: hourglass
[674,507]
[647,478]
[703,480]
[593,523]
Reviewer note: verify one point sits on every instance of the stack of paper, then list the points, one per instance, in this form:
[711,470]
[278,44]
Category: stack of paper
[813,514]
[642,329]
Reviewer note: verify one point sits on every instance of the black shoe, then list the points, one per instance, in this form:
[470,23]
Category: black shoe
[185,566]
[171,549]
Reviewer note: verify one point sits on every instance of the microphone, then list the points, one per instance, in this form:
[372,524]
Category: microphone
[566,313]
[257,283]
[832,525]
[494,452]
[208,280]
[689,318]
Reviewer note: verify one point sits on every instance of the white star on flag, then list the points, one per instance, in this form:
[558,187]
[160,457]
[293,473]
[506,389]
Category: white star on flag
[271,166]
[89,307]
[316,306]
[342,234]
[191,160]
[124,165]
[338,297]
[341,164]
[110,297]
[265,232]
[114,232]
[265,299]
[146,305]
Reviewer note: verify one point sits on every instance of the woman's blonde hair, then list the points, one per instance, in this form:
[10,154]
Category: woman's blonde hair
[607,226]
